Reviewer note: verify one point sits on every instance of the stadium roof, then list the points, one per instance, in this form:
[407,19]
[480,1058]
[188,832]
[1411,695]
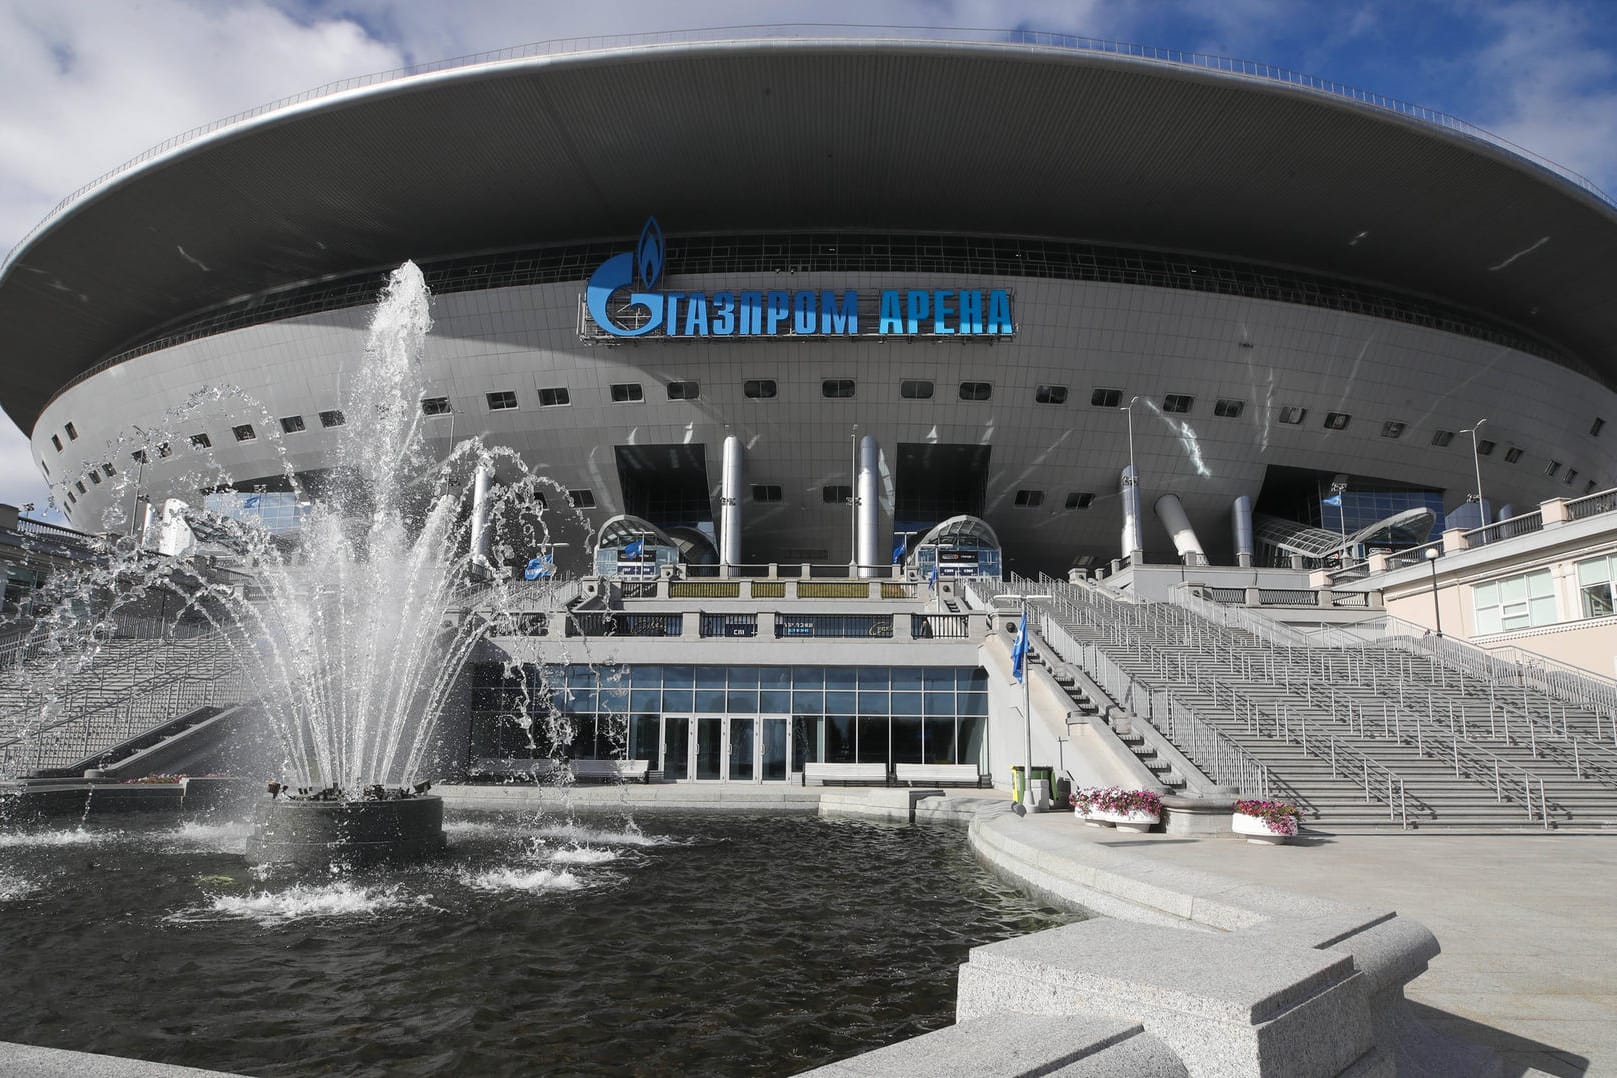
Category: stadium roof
[1050,138]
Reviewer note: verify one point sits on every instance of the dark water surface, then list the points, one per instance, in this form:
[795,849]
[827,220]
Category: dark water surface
[693,945]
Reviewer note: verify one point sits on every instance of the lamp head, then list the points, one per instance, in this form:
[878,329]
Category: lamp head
[1431,553]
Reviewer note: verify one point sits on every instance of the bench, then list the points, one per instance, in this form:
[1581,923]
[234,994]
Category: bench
[594,770]
[858,774]
[939,774]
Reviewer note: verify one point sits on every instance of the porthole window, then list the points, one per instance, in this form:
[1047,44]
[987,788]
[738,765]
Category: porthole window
[1106,398]
[915,389]
[759,389]
[839,388]
[975,391]
[1050,395]
[684,391]
[502,401]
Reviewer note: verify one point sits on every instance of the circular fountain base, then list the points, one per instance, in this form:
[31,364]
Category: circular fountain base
[317,833]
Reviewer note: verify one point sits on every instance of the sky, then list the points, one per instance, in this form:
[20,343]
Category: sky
[85,85]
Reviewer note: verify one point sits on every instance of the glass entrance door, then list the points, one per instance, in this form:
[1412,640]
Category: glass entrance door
[742,750]
[709,749]
[774,755]
[676,749]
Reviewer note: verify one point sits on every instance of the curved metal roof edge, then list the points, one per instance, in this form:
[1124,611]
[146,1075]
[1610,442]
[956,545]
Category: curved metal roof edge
[1209,66]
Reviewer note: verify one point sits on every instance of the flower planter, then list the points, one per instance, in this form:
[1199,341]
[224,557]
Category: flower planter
[1136,821]
[1257,829]
[1090,816]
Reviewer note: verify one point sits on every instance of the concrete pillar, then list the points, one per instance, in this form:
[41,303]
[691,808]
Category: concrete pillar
[1454,539]
[1185,544]
[730,508]
[481,481]
[8,517]
[869,493]
[1241,529]
[174,536]
[1554,511]
[1131,543]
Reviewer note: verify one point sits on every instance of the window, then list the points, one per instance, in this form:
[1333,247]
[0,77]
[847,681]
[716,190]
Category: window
[626,393]
[554,397]
[915,389]
[291,424]
[1571,474]
[502,400]
[1595,586]
[1029,499]
[1293,415]
[836,387]
[138,456]
[1106,398]
[57,442]
[244,433]
[1177,402]
[1442,437]
[1080,500]
[1337,420]
[836,494]
[1392,429]
[1517,602]
[164,451]
[581,499]
[80,485]
[1226,408]
[1596,427]
[109,470]
[70,499]
[333,418]
[201,441]
[1050,395]
[1552,467]
[1512,455]
[1484,448]
[540,500]
[765,492]
[975,391]
[684,391]
[72,432]
[95,478]
[435,406]
[759,389]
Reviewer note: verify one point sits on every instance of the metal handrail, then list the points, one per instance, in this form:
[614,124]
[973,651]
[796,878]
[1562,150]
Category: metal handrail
[898,35]
[1590,505]
[1509,528]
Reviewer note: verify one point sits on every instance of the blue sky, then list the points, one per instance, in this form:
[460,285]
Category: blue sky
[87,84]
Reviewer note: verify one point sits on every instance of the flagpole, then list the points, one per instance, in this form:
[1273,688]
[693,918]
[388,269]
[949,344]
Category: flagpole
[1019,671]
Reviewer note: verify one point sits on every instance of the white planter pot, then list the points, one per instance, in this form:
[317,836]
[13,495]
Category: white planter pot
[1257,831]
[1136,821]
[1089,816]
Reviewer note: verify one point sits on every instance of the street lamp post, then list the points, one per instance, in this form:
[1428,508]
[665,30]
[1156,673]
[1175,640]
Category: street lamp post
[1437,612]
[1027,696]
[1476,463]
[1338,489]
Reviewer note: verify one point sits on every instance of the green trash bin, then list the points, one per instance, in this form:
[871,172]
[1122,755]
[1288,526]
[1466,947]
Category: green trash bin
[1045,773]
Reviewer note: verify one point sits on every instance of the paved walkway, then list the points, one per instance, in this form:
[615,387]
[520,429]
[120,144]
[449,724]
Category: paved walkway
[1527,922]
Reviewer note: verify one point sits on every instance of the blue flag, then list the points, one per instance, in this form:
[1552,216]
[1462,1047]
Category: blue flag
[1334,499]
[633,549]
[900,548]
[932,581]
[539,568]
[1019,650]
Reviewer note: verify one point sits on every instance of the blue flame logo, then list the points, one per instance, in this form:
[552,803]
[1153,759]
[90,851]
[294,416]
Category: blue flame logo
[643,268]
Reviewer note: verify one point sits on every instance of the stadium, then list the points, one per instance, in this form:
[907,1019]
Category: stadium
[1015,266]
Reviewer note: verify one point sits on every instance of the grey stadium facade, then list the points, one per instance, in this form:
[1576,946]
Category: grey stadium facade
[1299,285]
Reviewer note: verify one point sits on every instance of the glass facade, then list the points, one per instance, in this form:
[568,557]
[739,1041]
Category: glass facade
[687,720]
[1516,602]
[278,512]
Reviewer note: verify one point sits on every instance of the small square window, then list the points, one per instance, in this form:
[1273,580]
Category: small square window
[1484,448]
[80,485]
[837,387]
[554,397]
[915,389]
[435,406]
[70,499]
[1293,415]
[1571,474]
[164,451]
[1512,455]
[1177,402]
[836,494]
[244,433]
[1106,398]
[503,400]
[581,499]
[1080,500]
[1552,467]
[1050,395]
[1596,427]
[684,391]
[762,492]
[109,470]
[95,479]
[57,442]
[1442,437]
[291,424]
[759,389]
[975,391]
[1029,499]
[72,432]
[46,468]
[138,456]
[201,441]
[1337,420]
[1228,409]
[332,418]
[1392,429]
[626,393]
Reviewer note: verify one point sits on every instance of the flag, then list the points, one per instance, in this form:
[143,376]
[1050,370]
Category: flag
[899,549]
[633,549]
[539,568]
[1019,650]
[1334,499]
[932,581]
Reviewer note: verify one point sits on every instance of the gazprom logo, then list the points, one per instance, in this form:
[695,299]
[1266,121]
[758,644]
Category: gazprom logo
[902,312]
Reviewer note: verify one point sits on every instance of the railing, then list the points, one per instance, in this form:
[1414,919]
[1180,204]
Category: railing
[833,625]
[1247,69]
[1288,597]
[1415,555]
[1592,505]
[618,623]
[696,589]
[1232,596]
[940,626]
[1506,529]
[740,624]
[30,526]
